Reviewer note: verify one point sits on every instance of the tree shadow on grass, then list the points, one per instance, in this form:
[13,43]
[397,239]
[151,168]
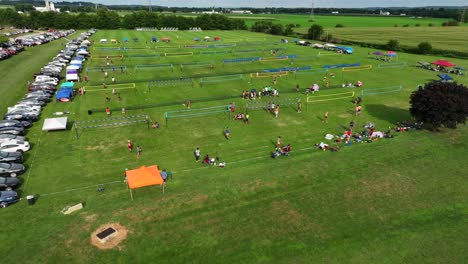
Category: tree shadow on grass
[388,113]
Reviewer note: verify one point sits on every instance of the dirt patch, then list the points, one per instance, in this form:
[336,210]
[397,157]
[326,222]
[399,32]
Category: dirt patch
[90,217]
[113,241]
[198,199]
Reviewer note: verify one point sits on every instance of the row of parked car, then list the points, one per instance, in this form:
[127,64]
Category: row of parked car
[20,117]
[11,47]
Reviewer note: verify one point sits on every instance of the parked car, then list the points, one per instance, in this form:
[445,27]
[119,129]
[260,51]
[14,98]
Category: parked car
[18,146]
[9,183]
[9,157]
[21,115]
[8,197]
[14,123]
[30,108]
[37,97]
[8,137]
[12,130]
[11,169]
[31,101]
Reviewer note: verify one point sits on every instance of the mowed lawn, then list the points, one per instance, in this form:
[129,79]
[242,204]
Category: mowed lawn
[399,200]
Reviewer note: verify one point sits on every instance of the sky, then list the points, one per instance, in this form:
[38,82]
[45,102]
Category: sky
[283,3]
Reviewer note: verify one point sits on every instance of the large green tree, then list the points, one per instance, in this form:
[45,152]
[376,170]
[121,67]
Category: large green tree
[440,104]
[315,32]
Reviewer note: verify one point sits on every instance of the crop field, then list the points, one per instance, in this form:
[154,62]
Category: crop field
[395,200]
[347,21]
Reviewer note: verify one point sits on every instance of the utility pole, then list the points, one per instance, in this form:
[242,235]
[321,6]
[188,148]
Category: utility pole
[149,6]
[312,11]
[462,17]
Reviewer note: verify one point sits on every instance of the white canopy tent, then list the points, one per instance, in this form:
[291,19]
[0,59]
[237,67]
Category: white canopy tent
[73,67]
[58,123]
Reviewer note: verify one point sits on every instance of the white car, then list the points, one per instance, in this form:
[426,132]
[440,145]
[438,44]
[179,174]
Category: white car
[46,78]
[15,146]
[23,107]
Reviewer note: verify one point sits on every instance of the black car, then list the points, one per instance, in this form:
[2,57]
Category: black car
[8,183]
[14,123]
[38,97]
[11,169]
[8,197]
[15,157]
[12,130]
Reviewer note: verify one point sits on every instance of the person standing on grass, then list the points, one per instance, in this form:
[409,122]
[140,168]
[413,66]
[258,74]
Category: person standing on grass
[164,175]
[277,110]
[297,88]
[113,79]
[139,150]
[130,145]
[247,119]
[187,103]
[86,78]
[351,125]
[325,117]
[227,132]
[105,74]
[278,142]
[299,106]
[107,98]
[108,111]
[197,154]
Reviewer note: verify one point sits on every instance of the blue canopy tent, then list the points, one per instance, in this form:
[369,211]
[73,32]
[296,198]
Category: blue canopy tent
[135,39]
[64,94]
[125,39]
[196,38]
[154,39]
[445,77]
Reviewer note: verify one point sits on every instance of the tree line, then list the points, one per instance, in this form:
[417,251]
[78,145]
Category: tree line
[107,19]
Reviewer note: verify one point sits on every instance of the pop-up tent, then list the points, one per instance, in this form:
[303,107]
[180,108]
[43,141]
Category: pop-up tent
[65,94]
[82,52]
[206,38]
[72,75]
[72,68]
[196,38]
[125,39]
[445,77]
[58,123]
[103,40]
[217,38]
[443,63]
[143,176]
[113,41]
[154,39]
[165,39]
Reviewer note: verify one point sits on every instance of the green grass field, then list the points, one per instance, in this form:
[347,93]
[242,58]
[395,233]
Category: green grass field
[400,200]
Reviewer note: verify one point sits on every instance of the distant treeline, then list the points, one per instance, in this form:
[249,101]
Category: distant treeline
[105,19]
[455,13]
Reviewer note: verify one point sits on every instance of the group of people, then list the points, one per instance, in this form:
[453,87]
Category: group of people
[273,108]
[130,148]
[242,117]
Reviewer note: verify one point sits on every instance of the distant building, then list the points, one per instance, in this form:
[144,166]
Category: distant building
[384,13]
[210,12]
[241,12]
[49,7]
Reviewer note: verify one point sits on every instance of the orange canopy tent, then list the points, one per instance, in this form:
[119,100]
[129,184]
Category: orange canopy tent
[143,176]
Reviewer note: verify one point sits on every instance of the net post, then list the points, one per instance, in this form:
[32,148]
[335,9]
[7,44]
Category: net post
[76,129]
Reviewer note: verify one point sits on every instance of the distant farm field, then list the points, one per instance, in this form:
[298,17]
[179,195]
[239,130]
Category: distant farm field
[446,38]
[304,21]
